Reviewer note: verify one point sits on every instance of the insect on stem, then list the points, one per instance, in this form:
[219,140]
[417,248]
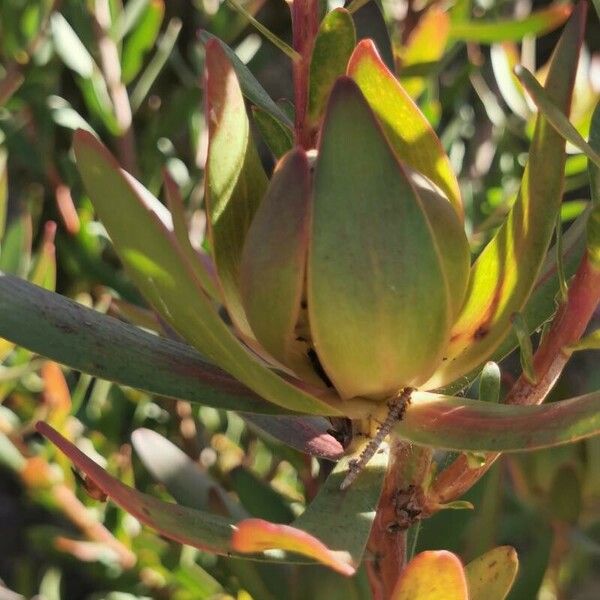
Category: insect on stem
[397,407]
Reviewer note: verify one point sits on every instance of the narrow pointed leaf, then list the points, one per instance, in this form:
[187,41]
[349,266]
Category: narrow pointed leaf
[278,137]
[369,299]
[502,30]
[326,519]
[3,192]
[273,264]
[335,41]
[554,115]
[503,275]
[180,228]
[218,534]
[15,246]
[504,58]
[589,342]
[185,480]
[425,45]
[88,341]
[306,434]
[405,126]
[235,180]
[593,228]
[432,575]
[251,88]
[463,424]
[491,575]
[156,264]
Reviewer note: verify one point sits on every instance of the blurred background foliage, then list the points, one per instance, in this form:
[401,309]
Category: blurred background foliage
[132,72]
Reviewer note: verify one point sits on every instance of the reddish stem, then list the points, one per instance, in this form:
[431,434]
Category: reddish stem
[568,326]
[305,24]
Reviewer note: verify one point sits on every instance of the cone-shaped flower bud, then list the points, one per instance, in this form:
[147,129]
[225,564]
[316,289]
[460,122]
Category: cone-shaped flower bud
[387,263]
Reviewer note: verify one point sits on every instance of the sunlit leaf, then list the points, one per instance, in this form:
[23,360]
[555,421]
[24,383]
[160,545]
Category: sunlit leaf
[86,340]
[503,275]
[235,180]
[406,128]
[426,44]
[368,299]
[432,575]
[463,424]
[334,43]
[159,268]
[70,48]
[504,58]
[251,88]
[491,575]
[501,30]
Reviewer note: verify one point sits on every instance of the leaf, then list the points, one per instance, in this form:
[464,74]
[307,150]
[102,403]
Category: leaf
[462,424]
[235,180]
[273,264]
[589,342]
[554,115]
[501,30]
[141,39]
[88,341]
[15,251]
[70,48]
[3,191]
[220,535]
[277,136]
[184,479]
[503,275]
[405,126]
[251,88]
[368,299]
[490,382]
[306,434]
[491,575]
[334,43]
[156,264]
[205,275]
[277,42]
[504,58]
[259,497]
[257,535]
[370,25]
[432,575]
[426,44]
[593,227]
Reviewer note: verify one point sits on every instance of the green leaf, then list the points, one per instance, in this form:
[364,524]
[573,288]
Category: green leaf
[501,30]
[554,115]
[15,251]
[3,191]
[141,39]
[525,346]
[490,382]
[334,43]
[184,478]
[589,342]
[369,300]
[273,264]
[200,263]
[159,268]
[593,228]
[258,497]
[491,575]
[220,535]
[70,48]
[463,424]
[504,273]
[235,180]
[432,575]
[277,137]
[408,131]
[277,42]
[88,341]
[251,88]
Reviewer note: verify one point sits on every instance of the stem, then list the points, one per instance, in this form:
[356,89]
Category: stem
[400,506]
[568,326]
[305,25]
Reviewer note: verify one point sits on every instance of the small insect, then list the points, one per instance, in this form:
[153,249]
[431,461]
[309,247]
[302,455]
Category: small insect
[92,489]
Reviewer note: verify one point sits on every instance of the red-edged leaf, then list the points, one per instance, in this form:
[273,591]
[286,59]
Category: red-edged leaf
[432,575]
[257,535]
[504,274]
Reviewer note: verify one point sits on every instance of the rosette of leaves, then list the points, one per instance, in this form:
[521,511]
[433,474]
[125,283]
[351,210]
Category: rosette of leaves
[328,289]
